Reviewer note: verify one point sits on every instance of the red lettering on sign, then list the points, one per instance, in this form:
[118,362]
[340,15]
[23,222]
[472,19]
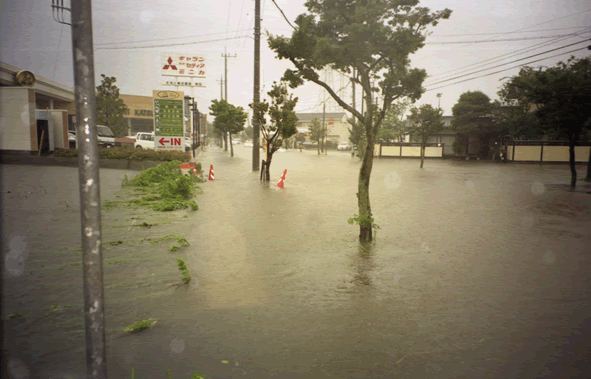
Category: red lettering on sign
[176,141]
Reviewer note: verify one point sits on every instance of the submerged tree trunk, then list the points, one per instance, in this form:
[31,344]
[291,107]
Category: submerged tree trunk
[225,141]
[268,168]
[422,153]
[365,227]
[231,145]
[318,145]
[571,158]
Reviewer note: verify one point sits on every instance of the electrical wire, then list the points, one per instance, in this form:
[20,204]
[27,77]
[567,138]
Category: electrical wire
[498,33]
[283,14]
[502,64]
[495,40]
[165,45]
[57,53]
[164,39]
[510,68]
[505,56]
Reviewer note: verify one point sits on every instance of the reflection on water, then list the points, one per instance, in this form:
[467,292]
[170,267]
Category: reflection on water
[456,282]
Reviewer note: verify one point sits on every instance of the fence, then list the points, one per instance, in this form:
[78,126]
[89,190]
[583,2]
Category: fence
[408,149]
[545,151]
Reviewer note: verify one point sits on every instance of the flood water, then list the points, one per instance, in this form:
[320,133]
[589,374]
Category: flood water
[479,270]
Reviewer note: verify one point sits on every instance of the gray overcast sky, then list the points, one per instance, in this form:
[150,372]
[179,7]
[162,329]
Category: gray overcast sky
[32,40]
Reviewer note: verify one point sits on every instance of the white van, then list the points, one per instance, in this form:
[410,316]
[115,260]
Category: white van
[106,138]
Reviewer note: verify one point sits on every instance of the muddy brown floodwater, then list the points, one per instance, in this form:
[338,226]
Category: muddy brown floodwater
[480,270]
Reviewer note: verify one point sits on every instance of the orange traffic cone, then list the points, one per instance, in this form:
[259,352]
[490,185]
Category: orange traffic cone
[211,172]
[280,183]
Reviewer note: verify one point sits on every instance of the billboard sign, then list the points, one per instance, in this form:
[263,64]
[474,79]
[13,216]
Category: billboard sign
[168,119]
[182,83]
[188,65]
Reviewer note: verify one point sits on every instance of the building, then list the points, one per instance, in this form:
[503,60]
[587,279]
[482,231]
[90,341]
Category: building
[34,111]
[336,124]
[446,137]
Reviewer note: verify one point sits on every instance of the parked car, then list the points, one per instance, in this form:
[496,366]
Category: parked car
[106,137]
[308,144]
[343,146]
[144,141]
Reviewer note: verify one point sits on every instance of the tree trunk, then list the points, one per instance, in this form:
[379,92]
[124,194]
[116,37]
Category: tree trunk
[318,145]
[365,229]
[225,141]
[571,158]
[588,177]
[231,145]
[268,168]
[422,153]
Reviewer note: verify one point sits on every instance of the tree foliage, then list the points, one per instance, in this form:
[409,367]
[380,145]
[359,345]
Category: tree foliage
[229,118]
[316,131]
[473,116]
[561,96]
[281,123]
[373,38]
[109,107]
[425,120]
[394,127]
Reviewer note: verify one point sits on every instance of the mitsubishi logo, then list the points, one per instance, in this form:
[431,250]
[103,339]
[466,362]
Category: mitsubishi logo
[166,66]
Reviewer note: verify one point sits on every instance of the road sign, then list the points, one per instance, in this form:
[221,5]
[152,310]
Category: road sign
[168,119]
[188,65]
[182,83]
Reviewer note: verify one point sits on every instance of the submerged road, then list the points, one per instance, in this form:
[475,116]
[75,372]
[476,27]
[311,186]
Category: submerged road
[479,270]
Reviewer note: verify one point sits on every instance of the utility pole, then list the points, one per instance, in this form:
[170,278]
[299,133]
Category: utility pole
[257,83]
[439,103]
[88,176]
[221,81]
[226,56]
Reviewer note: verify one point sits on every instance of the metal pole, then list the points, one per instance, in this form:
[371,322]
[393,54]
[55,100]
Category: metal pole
[257,83]
[225,75]
[90,198]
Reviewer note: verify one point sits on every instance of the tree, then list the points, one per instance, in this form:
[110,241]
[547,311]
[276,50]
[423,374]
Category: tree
[425,120]
[316,132]
[300,137]
[109,107]
[373,38]
[473,116]
[228,118]
[393,126]
[561,95]
[514,116]
[282,120]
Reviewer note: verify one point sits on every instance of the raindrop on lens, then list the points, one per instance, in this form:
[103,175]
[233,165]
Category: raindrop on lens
[538,188]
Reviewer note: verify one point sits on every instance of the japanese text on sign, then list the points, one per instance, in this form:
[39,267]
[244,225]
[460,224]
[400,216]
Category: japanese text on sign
[173,64]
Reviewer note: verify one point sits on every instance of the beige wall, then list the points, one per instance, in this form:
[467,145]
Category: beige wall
[411,151]
[18,123]
[433,151]
[391,151]
[527,153]
[560,153]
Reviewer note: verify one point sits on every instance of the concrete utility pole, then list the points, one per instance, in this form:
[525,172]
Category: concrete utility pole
[226,56]
[439,103]
[257,83]
[88,176]
[221,81]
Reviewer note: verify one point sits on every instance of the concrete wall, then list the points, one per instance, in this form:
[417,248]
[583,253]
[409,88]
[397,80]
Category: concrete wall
[59,119]
[411,151]
[46,115]
[18,122]
[390,151]
[549,154]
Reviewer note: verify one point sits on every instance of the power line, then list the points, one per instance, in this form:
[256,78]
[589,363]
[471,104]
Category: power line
[164,39]
[283,14]
[498,33]
[228,21]
[505,56]
[506,69]
[517,60]
[165,45]
[496,40]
